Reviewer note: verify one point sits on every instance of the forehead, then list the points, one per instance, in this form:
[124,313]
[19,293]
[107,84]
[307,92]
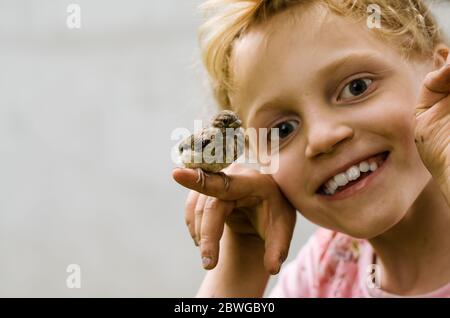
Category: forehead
[291,47]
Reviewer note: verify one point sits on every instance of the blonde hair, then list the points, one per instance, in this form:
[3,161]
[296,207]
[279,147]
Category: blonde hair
[406,24]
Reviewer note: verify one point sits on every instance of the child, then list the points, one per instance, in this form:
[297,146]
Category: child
[363,112]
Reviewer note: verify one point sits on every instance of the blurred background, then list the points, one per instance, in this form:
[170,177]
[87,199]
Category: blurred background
[86,117]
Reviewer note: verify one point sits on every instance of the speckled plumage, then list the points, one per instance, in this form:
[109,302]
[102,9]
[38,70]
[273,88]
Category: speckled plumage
[198,150]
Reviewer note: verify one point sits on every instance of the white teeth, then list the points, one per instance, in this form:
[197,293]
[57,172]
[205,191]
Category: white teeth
[332,185]
[341,179]
[353,173]
[364,166]
[373,166]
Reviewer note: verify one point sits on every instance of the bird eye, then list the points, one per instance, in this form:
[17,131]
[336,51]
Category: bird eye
[355,88]
[182,147]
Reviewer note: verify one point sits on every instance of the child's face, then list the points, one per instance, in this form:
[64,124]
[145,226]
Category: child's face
[286,77]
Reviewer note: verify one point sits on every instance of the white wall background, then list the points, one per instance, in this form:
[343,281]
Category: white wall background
[85,170]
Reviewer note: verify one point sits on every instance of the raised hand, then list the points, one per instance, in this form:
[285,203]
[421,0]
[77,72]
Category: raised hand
[253,206]
[432,132]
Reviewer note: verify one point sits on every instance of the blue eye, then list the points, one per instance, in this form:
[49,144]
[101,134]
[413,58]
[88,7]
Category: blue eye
[286,128]
[355,88]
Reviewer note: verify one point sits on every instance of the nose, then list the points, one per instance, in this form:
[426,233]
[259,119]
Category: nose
[325,135]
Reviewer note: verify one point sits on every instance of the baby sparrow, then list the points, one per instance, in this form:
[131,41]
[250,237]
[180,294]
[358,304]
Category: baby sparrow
[215,147]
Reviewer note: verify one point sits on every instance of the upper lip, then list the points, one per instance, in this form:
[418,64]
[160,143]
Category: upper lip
[343,167]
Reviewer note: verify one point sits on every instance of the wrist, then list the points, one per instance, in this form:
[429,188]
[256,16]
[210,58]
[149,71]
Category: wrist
[240,271]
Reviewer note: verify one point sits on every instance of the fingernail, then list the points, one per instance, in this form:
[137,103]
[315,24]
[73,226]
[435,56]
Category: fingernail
[206,261]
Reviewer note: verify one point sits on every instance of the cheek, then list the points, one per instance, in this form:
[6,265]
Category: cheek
[289,174]
[394,110]
[393,118]
[290,177]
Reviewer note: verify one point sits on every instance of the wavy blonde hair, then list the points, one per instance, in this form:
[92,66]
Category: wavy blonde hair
[406,24]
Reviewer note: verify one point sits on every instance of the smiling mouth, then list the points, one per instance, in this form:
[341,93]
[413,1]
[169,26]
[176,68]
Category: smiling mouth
[352,179]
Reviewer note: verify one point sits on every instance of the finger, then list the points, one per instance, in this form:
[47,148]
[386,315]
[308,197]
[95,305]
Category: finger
[278,237]
[189,215]
[198,214]
[240,185]
[436,86]
[213,222]
[248,202]
[439,80]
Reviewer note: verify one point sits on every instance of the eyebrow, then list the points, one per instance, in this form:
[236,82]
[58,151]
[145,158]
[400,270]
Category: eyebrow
[332,67]
[343,61]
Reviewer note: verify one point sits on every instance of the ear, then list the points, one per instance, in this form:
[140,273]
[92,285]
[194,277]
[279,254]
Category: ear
[441,55]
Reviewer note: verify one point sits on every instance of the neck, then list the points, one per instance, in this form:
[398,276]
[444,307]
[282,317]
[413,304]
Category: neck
[414,255]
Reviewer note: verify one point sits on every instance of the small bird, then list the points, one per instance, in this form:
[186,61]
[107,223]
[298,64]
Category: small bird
[214,147]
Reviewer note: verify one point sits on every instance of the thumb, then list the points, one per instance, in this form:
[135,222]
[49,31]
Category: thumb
[241,185]
[436,87]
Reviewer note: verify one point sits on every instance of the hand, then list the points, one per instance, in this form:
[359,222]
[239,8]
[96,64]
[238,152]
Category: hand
[253,206]
[432,132]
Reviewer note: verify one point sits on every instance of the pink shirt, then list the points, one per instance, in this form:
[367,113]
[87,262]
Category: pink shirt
[332,264]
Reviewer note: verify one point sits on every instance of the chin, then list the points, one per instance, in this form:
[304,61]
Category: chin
[371,225]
